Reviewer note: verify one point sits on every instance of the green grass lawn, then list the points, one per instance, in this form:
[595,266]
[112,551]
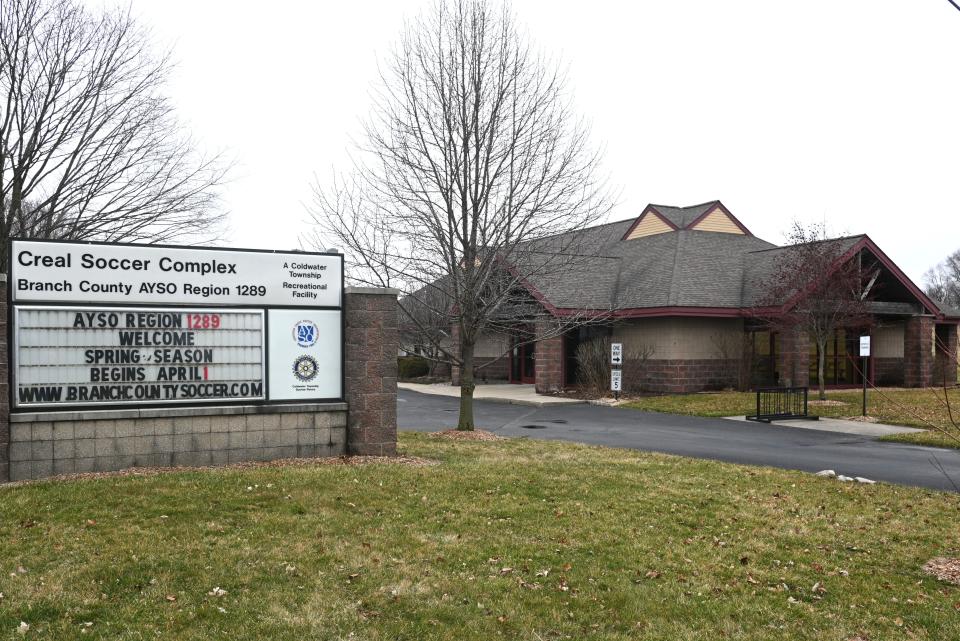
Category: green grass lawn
[910,407]
[514,539]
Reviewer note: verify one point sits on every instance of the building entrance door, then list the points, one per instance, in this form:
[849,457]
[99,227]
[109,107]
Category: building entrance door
[523,363]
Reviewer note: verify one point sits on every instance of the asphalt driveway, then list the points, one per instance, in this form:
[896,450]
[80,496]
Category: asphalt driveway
[709,438]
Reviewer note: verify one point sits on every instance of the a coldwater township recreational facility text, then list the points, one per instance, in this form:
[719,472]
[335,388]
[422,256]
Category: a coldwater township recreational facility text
[173,325]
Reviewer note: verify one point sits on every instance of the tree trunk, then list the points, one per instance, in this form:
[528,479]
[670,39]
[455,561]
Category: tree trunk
[466,388]
[821,361]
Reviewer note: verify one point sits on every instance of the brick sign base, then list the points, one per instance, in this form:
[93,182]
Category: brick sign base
[41,444]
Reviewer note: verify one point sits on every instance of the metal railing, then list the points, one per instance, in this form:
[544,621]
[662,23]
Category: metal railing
[781,403]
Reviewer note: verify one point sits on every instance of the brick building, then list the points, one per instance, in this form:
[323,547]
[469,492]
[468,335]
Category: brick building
[679,287]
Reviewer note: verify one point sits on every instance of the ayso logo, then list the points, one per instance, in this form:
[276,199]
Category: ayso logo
[305,333]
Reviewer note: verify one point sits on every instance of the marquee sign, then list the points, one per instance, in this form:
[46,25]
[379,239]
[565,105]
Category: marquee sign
[147,274]
[85,356]
[119,325]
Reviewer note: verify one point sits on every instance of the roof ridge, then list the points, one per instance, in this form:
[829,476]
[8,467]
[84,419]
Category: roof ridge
[709,202]
[812,242]
[580,231]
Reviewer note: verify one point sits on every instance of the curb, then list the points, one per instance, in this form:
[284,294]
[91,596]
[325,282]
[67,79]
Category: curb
[499,399]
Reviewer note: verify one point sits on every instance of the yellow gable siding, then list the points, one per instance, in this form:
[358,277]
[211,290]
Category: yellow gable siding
[649,225]
[717,220]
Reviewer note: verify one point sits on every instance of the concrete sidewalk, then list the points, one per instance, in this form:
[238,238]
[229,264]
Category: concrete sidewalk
[507,393]
[841,426]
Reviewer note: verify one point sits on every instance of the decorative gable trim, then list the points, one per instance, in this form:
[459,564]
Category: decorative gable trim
[649,211]
[867,243]
[726,212]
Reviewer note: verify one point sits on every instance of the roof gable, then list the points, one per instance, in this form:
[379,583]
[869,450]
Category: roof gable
[718,219]
[707,217]
[649,223]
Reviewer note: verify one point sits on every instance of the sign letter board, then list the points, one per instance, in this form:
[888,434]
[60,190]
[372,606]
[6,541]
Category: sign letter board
[129,325]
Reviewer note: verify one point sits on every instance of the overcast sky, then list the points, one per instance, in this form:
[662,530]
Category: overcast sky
[840,110]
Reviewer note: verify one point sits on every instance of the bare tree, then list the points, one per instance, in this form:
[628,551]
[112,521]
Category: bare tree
[943,281]
[474,173]
[816,288]
[89,144]
[593,366]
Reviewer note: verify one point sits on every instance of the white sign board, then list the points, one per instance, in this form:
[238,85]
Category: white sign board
[864,346]
[616,353]
[305,354]
[55,272]
[97,324]
[616,380]
[133,356]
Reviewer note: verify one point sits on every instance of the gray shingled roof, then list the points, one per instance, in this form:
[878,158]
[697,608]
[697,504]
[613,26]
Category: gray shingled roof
[758,265]
[683,268]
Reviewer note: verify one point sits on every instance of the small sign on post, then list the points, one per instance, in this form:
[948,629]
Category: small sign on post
[616,381]
[616,353]
[864,355]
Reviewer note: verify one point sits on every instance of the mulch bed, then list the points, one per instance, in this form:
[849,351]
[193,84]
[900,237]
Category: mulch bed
[459,435]
[944,568]
[414,461]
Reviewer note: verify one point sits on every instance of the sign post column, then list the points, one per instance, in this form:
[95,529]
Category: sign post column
[864,355]
[616,373]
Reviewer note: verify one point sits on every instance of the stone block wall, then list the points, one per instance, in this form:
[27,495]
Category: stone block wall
[372,344]
[548,363]
[918,352]
[492,370]
[793,359]
[495,370]
[50,443]
[40,444]
[887,371]
[945,362]
[671,376]
[4,386]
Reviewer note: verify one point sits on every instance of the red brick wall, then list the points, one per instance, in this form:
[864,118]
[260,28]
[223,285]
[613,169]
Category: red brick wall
[549,361]
[946,355]
[664,376]
[371,343]
[953,345]
[4,382]
[887,371]
[793,359]
[493,369]
[918,352]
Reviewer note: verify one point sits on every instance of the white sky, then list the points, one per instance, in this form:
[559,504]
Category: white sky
[847,111]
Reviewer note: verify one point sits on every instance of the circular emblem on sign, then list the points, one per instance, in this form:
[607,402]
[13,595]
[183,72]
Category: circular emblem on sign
[305,368]
[305,333]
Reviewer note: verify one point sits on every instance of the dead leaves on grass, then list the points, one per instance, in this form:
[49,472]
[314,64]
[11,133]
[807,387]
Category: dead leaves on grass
[944,568]
[463,435]
[414,461]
